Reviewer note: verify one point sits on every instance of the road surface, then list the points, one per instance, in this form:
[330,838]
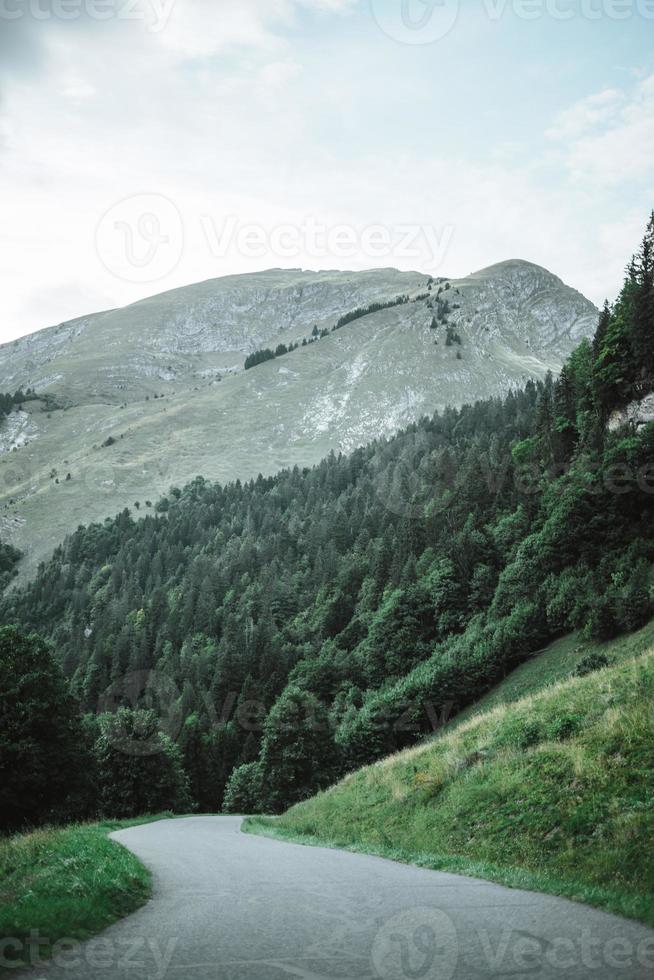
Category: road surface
[233,906]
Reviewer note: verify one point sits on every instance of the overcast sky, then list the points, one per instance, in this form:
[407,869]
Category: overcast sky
[146,144]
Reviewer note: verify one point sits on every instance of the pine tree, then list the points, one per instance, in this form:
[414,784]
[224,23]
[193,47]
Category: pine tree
[602,329]
[565,411]
[643,326]
[613,369]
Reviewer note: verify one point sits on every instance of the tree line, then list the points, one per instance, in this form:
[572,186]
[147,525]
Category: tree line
[293,627]
[267,354]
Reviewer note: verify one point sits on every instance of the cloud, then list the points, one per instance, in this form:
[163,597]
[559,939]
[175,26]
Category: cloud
[279,110]
[21,49]
[205,28]
[609,137]
[587,114]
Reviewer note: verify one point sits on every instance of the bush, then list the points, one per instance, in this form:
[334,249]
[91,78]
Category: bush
[601,623]
[519,731]
[139,768]
[590,663]
[298,756]
[563,727]
[243,791]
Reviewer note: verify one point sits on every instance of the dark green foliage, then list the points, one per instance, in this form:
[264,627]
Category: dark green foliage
[642,333]
[298,756]
[590,663]
[624,344]
[258,357]
[362,311]
[385,589]
[45,767]
[8,402]
[243,793]
[9,558]
[139,768]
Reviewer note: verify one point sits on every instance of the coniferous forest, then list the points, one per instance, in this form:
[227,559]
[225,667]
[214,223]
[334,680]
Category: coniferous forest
[245,645]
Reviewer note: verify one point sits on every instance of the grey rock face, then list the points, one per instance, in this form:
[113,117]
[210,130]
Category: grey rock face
[637,413]
[163,381]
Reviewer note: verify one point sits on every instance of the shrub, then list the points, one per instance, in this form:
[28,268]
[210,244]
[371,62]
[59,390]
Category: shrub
[563,727]
[139,768]
[244,790]
[298,756]
[590,663]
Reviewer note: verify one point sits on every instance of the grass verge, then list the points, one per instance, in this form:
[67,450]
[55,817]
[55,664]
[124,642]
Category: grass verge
[65,883]
[553,792]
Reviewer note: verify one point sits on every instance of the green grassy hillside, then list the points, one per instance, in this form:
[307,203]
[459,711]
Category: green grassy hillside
[64,883]
[555,663]
[553,791]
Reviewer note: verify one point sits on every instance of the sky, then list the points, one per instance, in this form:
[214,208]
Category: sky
[148,144]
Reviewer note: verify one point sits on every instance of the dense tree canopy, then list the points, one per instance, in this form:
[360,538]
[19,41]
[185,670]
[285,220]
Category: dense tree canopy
[139,768]
[44,766]
[376,592]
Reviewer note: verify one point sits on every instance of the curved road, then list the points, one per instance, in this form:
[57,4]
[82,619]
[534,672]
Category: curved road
[232,906]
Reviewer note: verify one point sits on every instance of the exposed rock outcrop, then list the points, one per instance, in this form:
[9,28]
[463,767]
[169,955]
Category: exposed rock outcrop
[637,414]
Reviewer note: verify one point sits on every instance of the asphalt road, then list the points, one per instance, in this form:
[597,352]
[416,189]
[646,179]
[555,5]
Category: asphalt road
[232,906]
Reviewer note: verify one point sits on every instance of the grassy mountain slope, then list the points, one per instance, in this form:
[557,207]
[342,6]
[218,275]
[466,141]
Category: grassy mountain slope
[555,664]
[65,884]
[164,380]
[553,791]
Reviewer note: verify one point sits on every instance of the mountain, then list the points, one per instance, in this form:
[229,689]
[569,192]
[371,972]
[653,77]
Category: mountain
[134,400]
[289,629]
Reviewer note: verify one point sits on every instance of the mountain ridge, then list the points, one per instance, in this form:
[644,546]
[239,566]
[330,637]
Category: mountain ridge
[136,399]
